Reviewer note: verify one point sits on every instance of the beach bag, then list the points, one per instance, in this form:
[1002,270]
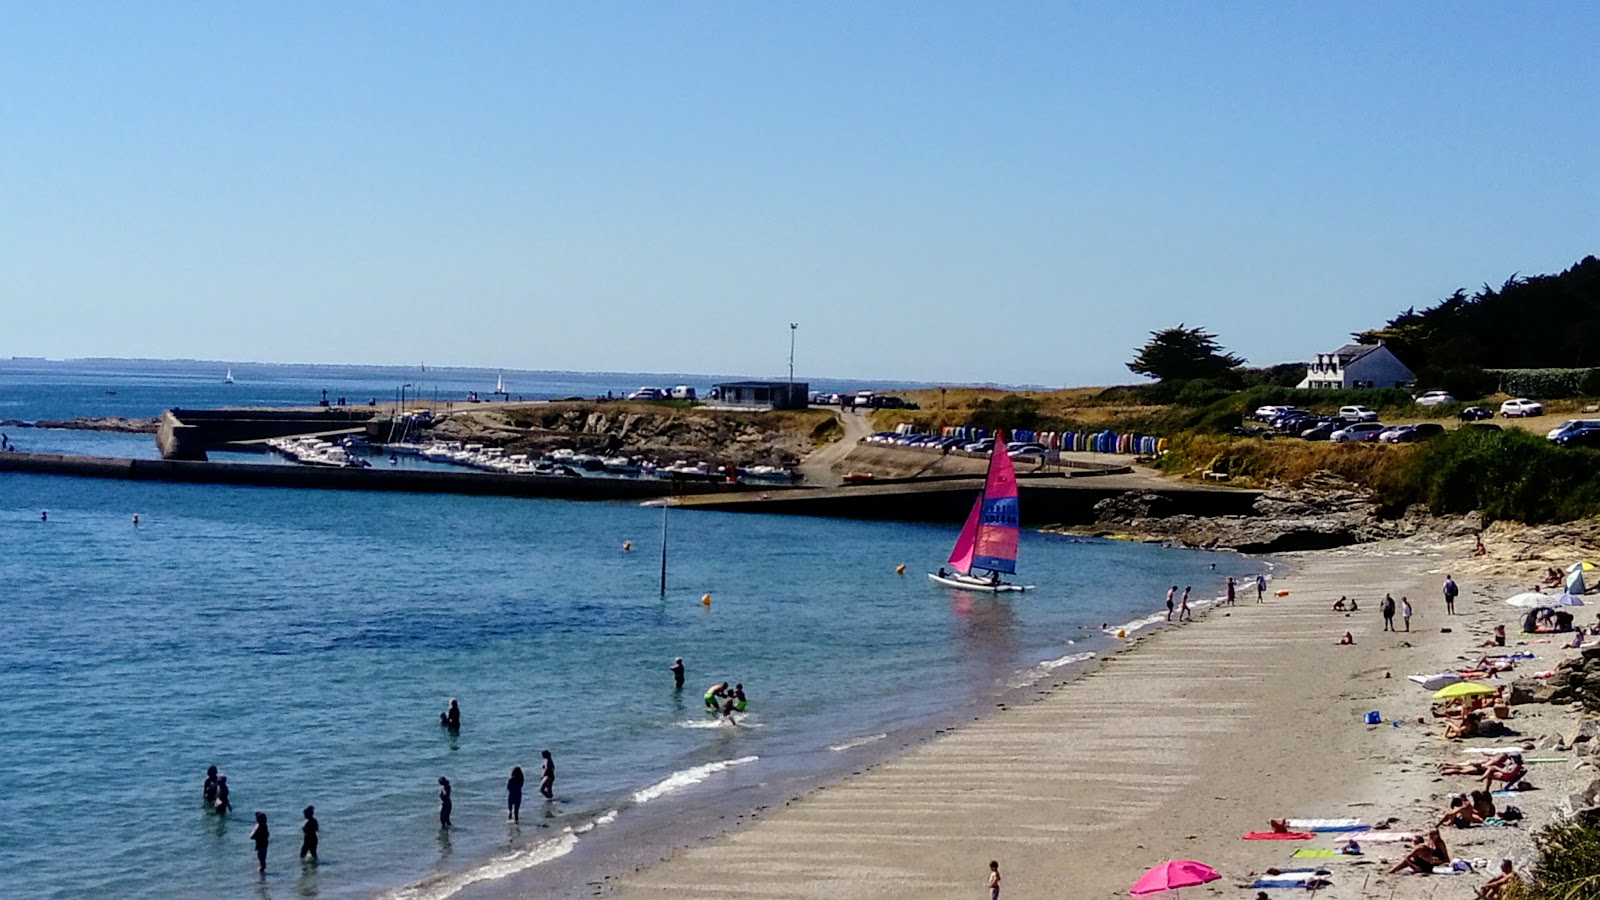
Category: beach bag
[1373,718]
[1511,814]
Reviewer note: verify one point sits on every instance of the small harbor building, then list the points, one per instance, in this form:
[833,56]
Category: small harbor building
[762,394]
[1358,366]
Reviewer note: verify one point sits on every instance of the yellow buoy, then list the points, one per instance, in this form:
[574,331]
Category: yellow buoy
[900,569]
[705,600]
[1122,632]
[627,546]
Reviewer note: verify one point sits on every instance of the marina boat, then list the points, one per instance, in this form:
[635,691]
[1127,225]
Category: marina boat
[987,546]
[766,473]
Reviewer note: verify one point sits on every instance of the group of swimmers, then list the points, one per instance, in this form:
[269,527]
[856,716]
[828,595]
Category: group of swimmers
[214,794]
[729,700]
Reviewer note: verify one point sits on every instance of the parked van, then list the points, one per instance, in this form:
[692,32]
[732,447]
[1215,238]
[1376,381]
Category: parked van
[683,392]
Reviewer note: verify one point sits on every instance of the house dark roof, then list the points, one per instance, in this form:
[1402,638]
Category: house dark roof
[799,385]
[1349,353]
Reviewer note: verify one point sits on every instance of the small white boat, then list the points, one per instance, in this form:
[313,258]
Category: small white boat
[988,541]
[228,378]
[974,583]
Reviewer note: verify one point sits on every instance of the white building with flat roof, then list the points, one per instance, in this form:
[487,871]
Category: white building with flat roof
[1358,366]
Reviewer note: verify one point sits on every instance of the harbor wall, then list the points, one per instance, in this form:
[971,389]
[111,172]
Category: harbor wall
[376,479]
[186,434]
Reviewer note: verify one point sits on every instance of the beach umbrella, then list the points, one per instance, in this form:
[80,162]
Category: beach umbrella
[1566,600]
[1462,689]
[1174,874]
[1531,599]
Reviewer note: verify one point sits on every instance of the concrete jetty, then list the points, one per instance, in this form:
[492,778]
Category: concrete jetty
[373,479]
[186,434]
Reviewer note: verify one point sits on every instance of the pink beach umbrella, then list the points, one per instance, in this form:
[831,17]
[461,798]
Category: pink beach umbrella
[1174,874]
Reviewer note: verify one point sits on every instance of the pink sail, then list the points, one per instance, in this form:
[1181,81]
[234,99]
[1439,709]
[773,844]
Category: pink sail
[999,521]
[967,541]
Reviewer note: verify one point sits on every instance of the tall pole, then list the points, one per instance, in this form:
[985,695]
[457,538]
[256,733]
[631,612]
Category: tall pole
[665,501]
[792,327]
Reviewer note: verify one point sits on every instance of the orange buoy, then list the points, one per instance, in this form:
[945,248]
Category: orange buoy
[900,569]
[705,600]
[627,546]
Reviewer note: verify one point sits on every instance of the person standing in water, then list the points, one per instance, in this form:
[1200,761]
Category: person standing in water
[451,718]
[444,802]
[223,807]
[677,673]
[514,795]
[308,830]
[547,780]
[209,791]
[260,835]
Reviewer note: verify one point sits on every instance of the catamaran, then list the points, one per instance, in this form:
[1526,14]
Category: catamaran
[988,542]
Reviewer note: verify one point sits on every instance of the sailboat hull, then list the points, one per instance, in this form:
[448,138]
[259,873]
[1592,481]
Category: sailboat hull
[981,585]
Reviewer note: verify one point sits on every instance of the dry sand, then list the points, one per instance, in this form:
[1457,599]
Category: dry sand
[1173,749]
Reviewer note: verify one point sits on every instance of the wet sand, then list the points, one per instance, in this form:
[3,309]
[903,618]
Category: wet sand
[1173,749]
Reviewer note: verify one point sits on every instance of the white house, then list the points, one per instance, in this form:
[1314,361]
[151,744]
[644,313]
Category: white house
[1358,366]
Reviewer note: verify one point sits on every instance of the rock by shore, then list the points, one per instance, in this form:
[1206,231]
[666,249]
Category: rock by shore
[89,423]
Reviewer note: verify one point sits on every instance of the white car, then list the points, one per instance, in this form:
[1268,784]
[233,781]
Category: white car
[1521,407]
[1267,413]
[1435,398]
[1357,414]
[648,393]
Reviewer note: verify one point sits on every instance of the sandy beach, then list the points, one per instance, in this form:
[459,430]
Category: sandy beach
[1174,749]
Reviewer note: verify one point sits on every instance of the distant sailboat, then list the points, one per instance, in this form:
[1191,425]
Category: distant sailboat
[228,378]
[988,542]
[500,383]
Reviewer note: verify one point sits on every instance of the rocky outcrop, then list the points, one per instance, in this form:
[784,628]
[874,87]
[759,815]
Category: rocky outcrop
[1576,680]
[1316,513]
[84,423]
[666,435]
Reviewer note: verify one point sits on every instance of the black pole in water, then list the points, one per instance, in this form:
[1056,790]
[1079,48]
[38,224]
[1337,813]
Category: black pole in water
[664,502]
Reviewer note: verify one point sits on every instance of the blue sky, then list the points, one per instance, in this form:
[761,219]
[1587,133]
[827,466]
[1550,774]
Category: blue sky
[976,192]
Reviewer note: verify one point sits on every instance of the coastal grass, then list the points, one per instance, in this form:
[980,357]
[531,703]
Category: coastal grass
[1512,475]
[1568,866]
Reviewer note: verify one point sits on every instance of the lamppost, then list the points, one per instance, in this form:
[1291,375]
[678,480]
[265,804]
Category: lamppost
[793,326]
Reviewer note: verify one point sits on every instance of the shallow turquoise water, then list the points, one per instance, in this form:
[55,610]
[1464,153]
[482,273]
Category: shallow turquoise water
[305,642]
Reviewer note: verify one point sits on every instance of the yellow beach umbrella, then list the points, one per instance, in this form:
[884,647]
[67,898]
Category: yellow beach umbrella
[1462,689]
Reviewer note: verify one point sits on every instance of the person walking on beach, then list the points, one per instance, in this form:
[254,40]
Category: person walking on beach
[677,674]
[1261,588]
[514,795]
[260,835]
[1450,592]
[1171,592]
[308,830]
[1405,611]
[1231,585]
[994,879]
[1183,607]
[547,780]
[209,791]
[1388,612]
[444,802]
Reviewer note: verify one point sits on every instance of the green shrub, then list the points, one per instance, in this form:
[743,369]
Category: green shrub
[1568,867]
[1548,383]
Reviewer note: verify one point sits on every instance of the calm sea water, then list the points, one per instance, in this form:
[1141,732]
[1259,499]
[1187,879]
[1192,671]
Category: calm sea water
[305,642]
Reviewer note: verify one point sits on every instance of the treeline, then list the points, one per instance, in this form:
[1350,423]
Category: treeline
[1541,322]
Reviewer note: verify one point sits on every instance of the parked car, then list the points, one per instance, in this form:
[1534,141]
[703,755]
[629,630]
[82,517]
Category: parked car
[1320,432]
[1435,398]
[1411,434]
[983,446]
[1580,437]
[648,393]
[1357,414]
[1570,426]
[1485,426]
[1268,413]
[1358,432]
[1521,407]
[1475,414]
[1027,451]
[683,392]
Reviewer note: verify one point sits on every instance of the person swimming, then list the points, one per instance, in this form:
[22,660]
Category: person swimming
[451,718]
[715,693]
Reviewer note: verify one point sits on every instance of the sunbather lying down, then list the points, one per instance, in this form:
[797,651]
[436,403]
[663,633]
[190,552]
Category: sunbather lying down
[1474,767]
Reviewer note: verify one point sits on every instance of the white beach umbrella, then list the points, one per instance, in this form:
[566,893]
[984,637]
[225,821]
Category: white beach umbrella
[1532,599]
